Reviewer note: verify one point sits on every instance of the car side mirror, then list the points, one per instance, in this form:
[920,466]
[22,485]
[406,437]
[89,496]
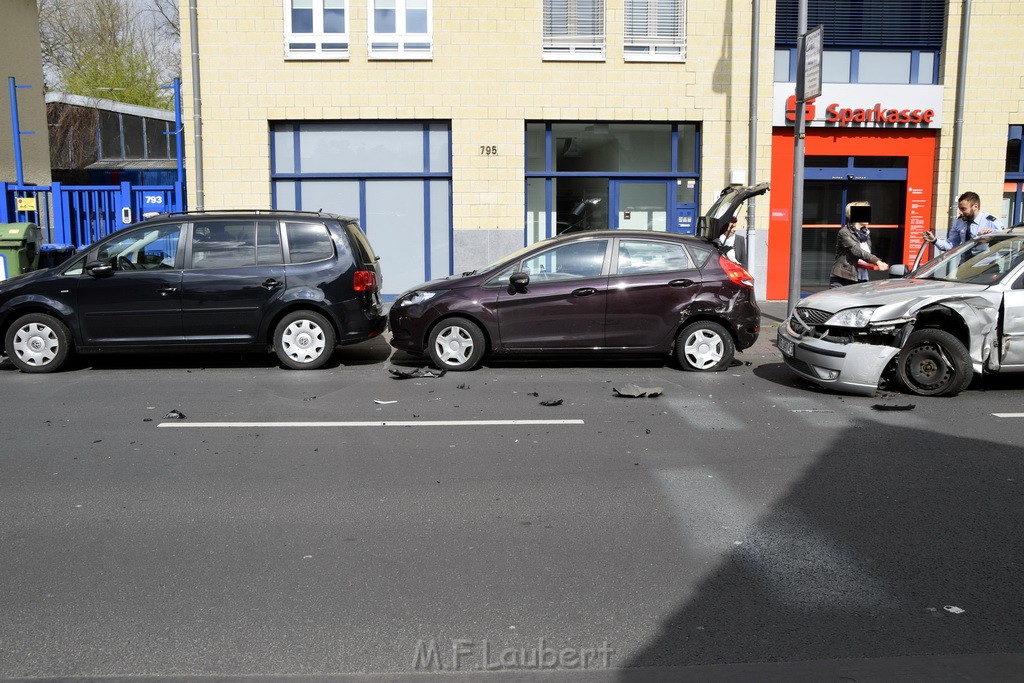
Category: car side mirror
[99,269]
[518,282]
[898,270]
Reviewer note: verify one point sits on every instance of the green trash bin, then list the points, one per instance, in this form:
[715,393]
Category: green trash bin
[19,248]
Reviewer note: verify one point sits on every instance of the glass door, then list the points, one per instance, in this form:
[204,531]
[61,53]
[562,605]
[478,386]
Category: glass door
[832,183]
[641,204]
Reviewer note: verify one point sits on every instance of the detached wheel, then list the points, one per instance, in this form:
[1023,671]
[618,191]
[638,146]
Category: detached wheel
[456,344]
[705,346]
[934,363]
[38,342]
[304,340]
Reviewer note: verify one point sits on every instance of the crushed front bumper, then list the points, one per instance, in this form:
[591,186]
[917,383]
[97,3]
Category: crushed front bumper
[851,368]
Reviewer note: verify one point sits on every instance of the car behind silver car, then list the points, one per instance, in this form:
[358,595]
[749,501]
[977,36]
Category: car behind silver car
[959,315]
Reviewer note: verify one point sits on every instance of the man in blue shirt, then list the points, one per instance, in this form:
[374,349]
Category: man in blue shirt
[969,225]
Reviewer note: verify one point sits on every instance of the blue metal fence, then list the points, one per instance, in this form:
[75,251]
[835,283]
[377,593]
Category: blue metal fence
[81,214]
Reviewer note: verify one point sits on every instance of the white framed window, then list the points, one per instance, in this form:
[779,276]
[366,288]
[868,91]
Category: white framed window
[574,30]
[400,29]
[316,29]
[655,30]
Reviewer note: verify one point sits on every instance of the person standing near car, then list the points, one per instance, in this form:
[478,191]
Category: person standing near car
[864,237]
[969,225]
[848,246]
[727,240]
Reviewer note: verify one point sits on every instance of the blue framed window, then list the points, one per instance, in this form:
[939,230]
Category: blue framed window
[395,177]
[896,41]
[597,175]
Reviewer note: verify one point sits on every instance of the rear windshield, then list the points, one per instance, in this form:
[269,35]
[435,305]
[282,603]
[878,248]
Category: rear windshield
[362,244]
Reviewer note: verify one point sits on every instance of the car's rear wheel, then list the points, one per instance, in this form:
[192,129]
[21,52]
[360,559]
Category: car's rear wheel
[705,346]
[304,340]
[934,363]
[456,344]
[38,342]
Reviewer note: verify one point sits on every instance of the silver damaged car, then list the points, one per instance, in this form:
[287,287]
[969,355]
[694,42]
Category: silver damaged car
[930,332]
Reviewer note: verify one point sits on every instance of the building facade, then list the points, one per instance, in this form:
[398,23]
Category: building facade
[459,131]
[21,58]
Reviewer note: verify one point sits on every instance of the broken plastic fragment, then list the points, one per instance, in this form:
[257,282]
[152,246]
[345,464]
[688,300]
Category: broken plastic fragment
[383,403]
[416,373]
[633,391]
[175,415]
[552,402]
[954,609]
[892,406]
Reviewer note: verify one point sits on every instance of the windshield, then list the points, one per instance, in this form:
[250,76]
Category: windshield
[983,261]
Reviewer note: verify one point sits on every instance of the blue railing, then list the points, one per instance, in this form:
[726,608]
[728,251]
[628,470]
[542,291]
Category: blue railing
[81,214]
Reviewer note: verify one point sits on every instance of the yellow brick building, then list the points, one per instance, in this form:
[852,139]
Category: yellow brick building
[458,131]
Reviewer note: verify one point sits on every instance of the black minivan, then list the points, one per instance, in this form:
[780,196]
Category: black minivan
[298,283]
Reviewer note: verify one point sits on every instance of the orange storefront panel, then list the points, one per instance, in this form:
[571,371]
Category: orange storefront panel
[918,147]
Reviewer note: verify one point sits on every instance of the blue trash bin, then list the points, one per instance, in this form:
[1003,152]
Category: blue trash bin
[51,255]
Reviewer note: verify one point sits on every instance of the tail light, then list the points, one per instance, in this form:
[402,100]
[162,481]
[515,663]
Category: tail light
[364,281]
[736,273]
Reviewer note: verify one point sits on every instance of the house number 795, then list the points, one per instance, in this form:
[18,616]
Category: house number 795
[488,150]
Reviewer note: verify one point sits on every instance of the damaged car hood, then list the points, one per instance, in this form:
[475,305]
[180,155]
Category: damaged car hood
[897,298]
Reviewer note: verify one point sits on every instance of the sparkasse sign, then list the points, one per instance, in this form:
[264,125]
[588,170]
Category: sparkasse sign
[844,105]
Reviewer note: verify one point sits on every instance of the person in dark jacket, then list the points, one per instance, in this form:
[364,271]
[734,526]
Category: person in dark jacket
[849,249]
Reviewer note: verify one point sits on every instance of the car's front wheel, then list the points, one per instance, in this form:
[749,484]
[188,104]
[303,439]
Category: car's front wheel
[934,363]
[705,346]
[456,344]
[304,340]
[38,342]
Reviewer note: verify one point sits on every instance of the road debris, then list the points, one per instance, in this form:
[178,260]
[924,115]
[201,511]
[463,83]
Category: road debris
[633,391]
[894,406]
[954,609]
[383,403]
[552,402]
[175,415]
[417,373]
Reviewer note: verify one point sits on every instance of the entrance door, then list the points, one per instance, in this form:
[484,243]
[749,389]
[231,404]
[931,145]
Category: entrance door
[828,188]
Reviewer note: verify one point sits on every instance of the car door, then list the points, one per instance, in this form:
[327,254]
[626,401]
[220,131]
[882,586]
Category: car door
[652,283]
[1012,315]
[236,268]
[139,300]
[563,304]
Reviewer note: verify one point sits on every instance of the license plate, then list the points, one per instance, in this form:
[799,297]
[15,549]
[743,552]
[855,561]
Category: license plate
[785,345]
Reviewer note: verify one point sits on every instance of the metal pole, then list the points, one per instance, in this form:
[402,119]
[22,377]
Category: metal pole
[197,102]
[958,116]
[755,43]
[19,170]
[796,227]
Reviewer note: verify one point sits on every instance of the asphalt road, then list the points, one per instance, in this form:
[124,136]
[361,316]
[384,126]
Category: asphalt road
[743,525]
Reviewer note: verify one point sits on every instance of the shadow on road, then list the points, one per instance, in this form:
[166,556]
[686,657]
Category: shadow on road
[881,549]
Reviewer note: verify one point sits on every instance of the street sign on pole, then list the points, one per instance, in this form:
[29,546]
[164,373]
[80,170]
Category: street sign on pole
[813,42]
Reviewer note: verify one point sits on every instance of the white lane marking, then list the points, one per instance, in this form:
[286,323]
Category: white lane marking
[377,423]
[810,410]
[1008,414]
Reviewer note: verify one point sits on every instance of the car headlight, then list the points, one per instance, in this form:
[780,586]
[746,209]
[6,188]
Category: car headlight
[417,298]
[852,317]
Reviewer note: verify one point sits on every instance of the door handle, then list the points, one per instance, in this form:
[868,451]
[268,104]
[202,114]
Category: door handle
[167,290]
[271,283]
[584,291]
[684,282]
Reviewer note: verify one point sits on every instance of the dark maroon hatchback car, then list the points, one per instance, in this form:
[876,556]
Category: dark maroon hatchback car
[601,292]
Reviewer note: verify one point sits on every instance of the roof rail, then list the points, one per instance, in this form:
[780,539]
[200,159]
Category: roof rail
[245,211]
